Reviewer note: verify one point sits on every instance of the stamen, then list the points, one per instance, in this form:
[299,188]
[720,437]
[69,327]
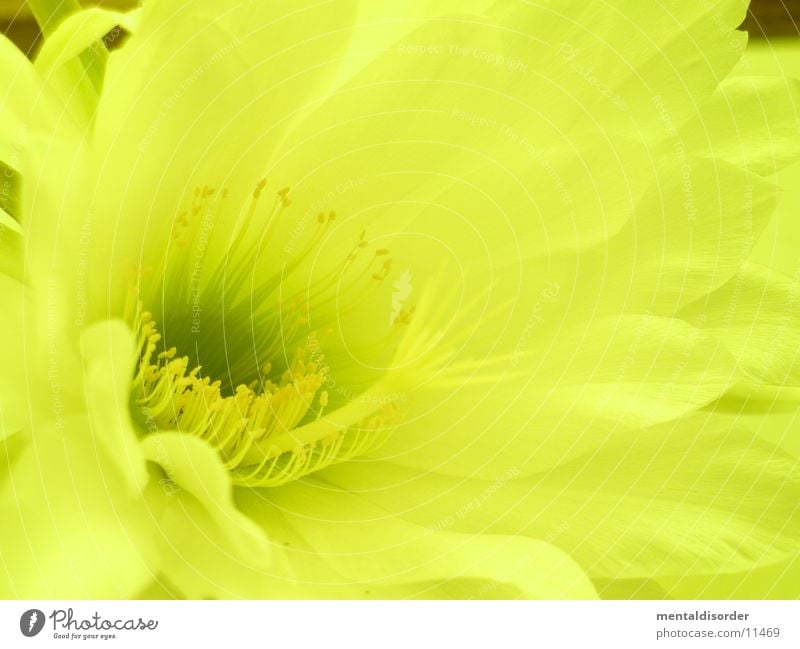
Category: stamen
[175,397]
[278,424]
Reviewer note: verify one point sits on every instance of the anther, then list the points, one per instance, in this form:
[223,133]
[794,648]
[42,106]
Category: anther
[259,187]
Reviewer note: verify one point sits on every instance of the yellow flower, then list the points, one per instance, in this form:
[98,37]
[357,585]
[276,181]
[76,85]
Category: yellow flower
[329,301]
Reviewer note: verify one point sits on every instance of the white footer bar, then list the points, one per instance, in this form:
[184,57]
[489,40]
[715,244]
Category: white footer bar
[406,625]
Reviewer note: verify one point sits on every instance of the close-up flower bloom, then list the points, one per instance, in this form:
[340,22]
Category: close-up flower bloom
[337,299]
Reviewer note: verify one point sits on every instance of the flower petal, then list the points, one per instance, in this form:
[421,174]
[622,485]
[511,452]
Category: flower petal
[203,535]
[700,495]
[753,121]
[71,527]
[79,32]
[757,317]
[199,555]
[674,51]
[200,97]
[22,96]
[110,351]
[580,391]
[12,359]
[370,548]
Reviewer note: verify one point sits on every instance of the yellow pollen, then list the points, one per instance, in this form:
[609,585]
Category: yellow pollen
[259,187]
[257,431]
[280,423]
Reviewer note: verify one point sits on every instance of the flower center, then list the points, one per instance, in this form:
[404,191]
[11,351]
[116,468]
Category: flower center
[259,430]
[270,415]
